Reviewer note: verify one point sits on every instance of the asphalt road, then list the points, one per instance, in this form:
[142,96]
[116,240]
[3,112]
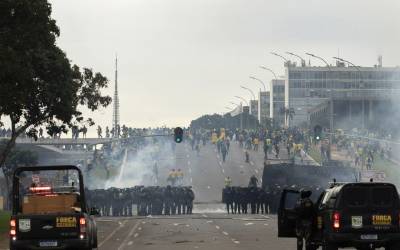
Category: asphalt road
[206,171]
[200,231]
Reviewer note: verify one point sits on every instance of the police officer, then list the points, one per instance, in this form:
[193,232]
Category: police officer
[253,197]
[304,210]
[168,200]
[236,200]
[228,181]
[253,182]
[189,200]
[227,198]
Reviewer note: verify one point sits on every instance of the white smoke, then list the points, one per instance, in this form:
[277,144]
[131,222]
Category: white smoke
[138,168]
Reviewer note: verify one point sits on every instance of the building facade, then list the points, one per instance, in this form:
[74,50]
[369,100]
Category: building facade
[254,108]
[263,107]
[340,96]
[277,101]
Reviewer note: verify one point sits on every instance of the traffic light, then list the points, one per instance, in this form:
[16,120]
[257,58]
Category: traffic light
[317,132]
[178,135]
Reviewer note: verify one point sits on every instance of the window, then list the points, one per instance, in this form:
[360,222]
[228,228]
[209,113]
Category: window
[291,200]
[382,197]
[355,197]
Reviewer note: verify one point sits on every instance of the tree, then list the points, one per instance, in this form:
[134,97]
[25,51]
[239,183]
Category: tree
[16,158]
[288,113]
[39,85]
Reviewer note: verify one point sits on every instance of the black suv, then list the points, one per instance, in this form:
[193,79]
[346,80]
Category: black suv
[360,215]
[50,211]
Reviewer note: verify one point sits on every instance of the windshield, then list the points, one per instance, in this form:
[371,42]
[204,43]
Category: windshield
[48,191]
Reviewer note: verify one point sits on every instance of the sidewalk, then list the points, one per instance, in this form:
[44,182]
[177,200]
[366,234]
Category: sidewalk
[4,244]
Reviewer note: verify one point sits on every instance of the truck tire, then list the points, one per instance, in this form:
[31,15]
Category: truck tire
[14,248]
[310,246]
[94,239]
[329,246]
[393,246]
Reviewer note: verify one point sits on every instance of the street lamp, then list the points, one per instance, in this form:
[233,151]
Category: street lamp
[251,92]
[352,64]
[331,101]
[270,70]
[244,100]
[320,58]
[303,62]
[241,110]
[259,80]
[284,58]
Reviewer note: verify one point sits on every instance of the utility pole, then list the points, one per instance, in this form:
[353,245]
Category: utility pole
[116,102]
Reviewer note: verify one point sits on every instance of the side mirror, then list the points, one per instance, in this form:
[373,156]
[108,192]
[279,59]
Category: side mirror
[94,211]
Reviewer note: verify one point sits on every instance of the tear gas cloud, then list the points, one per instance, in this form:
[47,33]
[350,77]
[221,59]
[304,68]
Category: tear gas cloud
[143,166]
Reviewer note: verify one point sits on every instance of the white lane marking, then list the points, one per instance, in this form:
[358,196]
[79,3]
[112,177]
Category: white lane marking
[209,221]
[225,233]
[217,227]
[140,229]
[218,156]
[191,180]
[208,187]
[187,156]
[136,235]
[256,171]
[236,242]
[220,163]
[189,163]
[249,224]
[112,233]
[130,243]
[223,171]
[124,242]
[205,216]
[251,163]
[190,170]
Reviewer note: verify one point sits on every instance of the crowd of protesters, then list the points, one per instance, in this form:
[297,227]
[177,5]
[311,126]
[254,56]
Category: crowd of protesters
[364,147]
[296,141]
[5,132]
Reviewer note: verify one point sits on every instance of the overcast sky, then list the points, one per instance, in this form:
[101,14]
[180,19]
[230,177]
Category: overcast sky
[179,59]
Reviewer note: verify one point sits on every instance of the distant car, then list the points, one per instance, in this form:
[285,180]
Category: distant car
[49,210]
[360,215]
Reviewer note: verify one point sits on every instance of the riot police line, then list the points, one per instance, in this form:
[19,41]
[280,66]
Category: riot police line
[243,200]
[257,200]
[142,201]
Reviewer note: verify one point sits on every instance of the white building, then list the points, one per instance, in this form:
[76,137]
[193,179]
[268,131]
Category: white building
[358,94]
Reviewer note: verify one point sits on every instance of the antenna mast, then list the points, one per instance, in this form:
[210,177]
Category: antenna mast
[116,102]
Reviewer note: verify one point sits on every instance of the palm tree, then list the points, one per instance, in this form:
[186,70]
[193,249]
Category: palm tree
[288,113]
